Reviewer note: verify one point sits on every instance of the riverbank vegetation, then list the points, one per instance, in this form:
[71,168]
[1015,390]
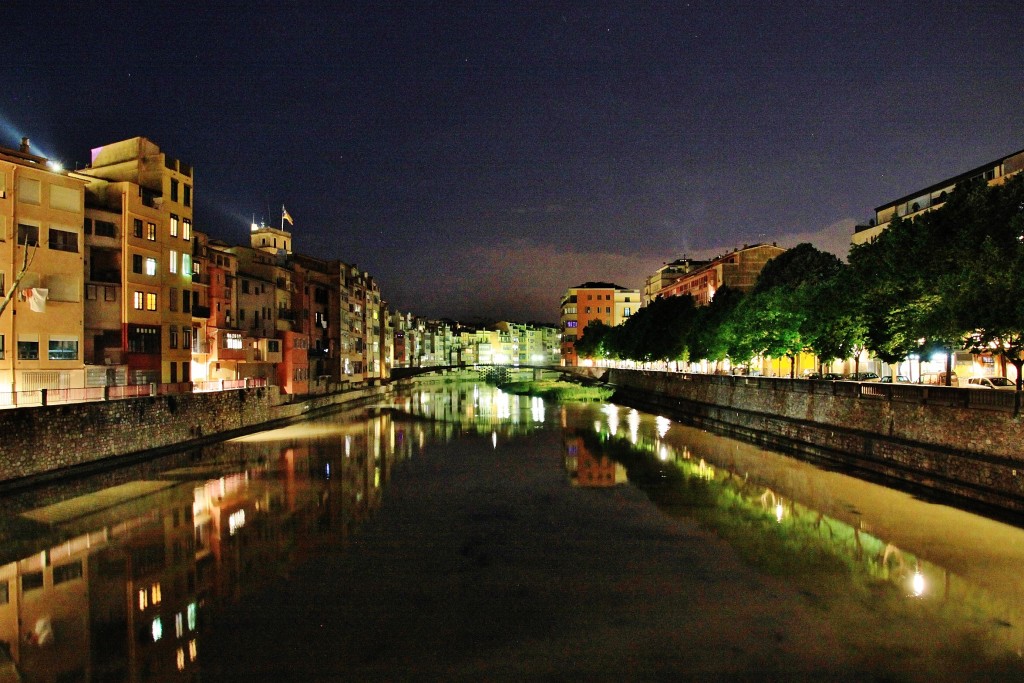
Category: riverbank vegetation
[949,278]
[559,390]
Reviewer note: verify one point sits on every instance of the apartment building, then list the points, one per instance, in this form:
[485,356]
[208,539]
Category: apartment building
[605,302]
[271,313]
[667,274]
[737,269]
[140,200]
[41,231]
[994,173]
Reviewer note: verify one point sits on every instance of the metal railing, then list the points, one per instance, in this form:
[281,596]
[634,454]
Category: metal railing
[46,397]
[923,394]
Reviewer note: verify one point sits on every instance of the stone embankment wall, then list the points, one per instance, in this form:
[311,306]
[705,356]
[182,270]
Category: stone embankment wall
[43,443]
[948,443]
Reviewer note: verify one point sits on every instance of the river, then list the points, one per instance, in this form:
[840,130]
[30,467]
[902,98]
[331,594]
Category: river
[456,532]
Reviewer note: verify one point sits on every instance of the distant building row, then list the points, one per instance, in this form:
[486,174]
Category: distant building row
[739,269]
[110,282]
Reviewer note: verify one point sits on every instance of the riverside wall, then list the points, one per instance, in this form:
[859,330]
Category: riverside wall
[962,443]
[41,444]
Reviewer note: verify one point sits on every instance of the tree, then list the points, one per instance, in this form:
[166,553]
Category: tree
[772,318]
[592,343]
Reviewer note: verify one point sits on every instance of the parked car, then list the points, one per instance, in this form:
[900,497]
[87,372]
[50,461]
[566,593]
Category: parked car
[991,383]
[899,378]
[812,375]
[832,376]
[864,377]
[939,379]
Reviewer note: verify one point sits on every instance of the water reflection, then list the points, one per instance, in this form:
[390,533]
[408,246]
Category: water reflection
[965,566]
[120,577]
[117,583]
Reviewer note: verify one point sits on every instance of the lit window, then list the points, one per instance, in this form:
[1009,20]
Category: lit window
[186,264]
[158,629]
[137,301]
[232,340]
[150,301]
[150,266]
[151,232]
[143,599]
[191,616]
[155,594]
[179,624]
[174,261]
[174,225]
[193,651]
[181,659]
[186,229]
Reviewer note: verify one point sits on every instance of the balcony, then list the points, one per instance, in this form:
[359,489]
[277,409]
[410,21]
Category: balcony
[200,311]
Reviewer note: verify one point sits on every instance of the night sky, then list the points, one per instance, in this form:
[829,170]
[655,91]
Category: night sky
[480,158]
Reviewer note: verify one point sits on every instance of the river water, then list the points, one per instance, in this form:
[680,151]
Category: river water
[459,533]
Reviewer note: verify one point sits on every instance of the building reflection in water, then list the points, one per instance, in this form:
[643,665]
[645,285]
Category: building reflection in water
[966,565]
[118,577]
[117,584]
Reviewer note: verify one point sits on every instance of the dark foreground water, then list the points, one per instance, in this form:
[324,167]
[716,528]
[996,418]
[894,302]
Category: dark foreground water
[458,533]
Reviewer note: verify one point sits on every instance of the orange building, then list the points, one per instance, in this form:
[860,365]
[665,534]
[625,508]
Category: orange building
[593,301]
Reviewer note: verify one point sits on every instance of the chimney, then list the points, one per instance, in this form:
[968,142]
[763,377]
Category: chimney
[24,146]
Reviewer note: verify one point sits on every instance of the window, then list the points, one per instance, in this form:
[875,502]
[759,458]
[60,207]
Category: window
[137,301]
[186,264]
[174,221]
[151,232]
[150,266]
[62,240]
[28,235]
[67,572]
[570,323]
[90,292]
[63,348]
[31,581]
[3,348]
[150,301]
[186,336]
[106,229]
[172,337]
[186,229]
[137,228]
[28,190]
[172,299]
[3,283]
[137,263]
[143,339]
[186,301]
[5,592]
[232,340]
[173,260]
[174,190]
[245,286]
[28,349]
[65,198]
[109,294]
[187,201]
[607,309]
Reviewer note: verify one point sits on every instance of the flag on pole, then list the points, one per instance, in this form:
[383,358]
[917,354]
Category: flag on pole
[285,216]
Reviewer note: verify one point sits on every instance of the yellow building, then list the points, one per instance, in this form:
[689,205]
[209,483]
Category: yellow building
[993,173]
[148,197]
[41,328]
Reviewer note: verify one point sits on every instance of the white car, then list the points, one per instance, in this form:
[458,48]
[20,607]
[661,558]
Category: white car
[991,383]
